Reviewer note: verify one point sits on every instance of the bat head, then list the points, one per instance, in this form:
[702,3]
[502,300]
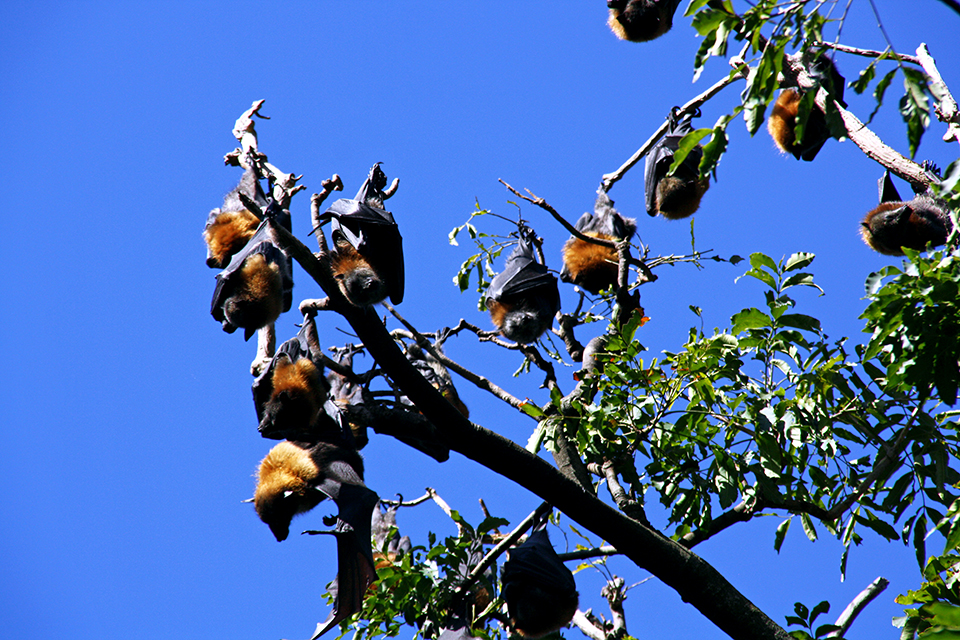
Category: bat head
[523,320]
[359,281]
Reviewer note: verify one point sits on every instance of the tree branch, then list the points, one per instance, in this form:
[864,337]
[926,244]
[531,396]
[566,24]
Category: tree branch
[946,107]
[858,604]
[696,581]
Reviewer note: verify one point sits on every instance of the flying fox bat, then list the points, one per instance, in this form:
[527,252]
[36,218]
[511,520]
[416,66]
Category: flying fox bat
[230,227]
[591,266]
[641,20]
[290,393]
[344,392]
[296,476]
[783,119]
[674,196]
[437,375]
[540,591]
[367,257]
[895,224]
[524,297]
[257,285]
[388,548]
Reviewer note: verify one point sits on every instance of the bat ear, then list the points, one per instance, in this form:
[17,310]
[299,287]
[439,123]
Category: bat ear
[248,500]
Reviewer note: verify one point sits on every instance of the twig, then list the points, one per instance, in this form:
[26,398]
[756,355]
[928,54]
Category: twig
[691,106]
[328,186]
[443,505]
[615,594]
[479,381]
[266,347]
[502,546]
[857,605]
[586,626]
[946,107]
[740,513]
[409,503]
[543,204]
[867,53]
[586,554]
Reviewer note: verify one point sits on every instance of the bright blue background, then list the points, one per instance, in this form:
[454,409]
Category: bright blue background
[129,431]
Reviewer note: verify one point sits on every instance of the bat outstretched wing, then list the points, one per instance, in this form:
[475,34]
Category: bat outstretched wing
[355,567]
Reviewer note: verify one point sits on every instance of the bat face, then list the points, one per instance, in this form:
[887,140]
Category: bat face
[359,282]
[523,298]
[523,321]
[289,477]
[540,591]
[894,225]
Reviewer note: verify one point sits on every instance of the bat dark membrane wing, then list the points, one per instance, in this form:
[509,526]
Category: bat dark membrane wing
[355,568]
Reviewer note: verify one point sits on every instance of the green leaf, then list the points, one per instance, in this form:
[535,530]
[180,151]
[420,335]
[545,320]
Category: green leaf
[778,539]
[798,261]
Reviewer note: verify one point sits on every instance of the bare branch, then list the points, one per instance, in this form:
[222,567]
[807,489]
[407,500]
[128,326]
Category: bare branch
[266,347]
[410,503]
[740,513]
[867,53]
[631,508]
[946,107]
[543,204]
[586,554]
[615,594]
[857,605]
[589,629]
[392,189]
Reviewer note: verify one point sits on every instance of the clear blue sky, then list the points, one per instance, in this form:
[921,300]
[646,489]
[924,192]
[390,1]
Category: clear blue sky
[129,427]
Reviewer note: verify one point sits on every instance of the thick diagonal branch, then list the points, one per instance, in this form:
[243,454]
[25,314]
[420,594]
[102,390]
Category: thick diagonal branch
[696,581]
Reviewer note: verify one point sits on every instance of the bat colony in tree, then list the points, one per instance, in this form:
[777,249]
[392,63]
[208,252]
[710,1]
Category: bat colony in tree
[319,407]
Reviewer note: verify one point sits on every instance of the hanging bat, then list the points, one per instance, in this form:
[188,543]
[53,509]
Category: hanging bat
[641,20]
[290,393]
[388,548]
[295,477]
[674,196]
[524,297]
[257,285]
[367,256]
[540,591]
[230,227]
[591,266]
[895,224]
[344,392]
[783,119]
[437,375]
